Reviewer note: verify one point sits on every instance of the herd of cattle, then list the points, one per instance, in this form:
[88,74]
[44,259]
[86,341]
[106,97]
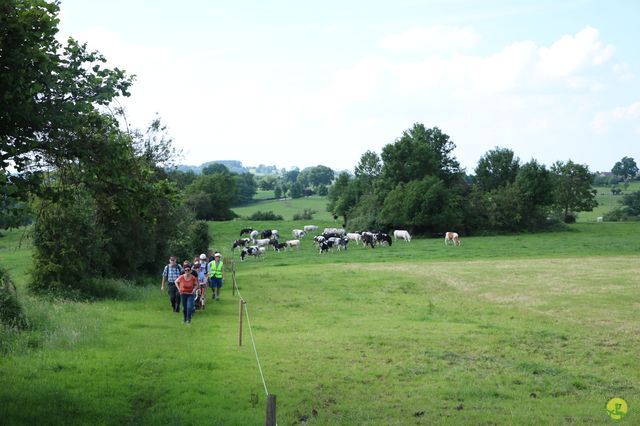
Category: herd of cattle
[331,238]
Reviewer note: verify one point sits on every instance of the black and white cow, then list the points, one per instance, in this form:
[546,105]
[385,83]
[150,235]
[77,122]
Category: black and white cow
[242,242]
[252,251]
[383,239]
[368,239]
[278,246]
[245,231]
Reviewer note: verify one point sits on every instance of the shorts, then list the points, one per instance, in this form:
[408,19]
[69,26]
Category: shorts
[215,282]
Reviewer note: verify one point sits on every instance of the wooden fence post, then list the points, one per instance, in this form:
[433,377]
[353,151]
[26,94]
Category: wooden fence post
[233,277]
[271,411]
[240,326]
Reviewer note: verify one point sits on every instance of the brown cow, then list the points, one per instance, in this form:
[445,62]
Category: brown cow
[453,237]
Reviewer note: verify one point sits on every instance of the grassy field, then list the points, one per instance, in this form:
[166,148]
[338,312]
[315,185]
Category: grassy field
[287,207]
[527,329]
[606,201]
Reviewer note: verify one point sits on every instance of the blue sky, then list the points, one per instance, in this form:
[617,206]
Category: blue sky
[295,83]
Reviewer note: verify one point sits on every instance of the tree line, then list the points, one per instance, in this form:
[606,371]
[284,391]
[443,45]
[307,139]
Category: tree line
[416,183]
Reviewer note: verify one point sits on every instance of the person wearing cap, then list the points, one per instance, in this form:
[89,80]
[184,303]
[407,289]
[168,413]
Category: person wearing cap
[216,275]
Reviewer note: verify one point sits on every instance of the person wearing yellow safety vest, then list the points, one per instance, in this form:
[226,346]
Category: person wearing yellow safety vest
[216,275]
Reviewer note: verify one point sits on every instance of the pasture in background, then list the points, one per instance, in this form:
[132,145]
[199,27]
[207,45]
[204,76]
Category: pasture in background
[607,201]
[287,207]
[525,329]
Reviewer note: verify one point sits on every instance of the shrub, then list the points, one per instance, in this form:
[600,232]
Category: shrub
[68,245]
[615,215]
[306,214]
[11,312]
[192,240]
[259,215]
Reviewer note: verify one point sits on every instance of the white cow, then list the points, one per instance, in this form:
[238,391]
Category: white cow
[298,233]
[403,235]
[293,243]
[263,242]
[452,237]
[254,235]
[354,236]
[309,228]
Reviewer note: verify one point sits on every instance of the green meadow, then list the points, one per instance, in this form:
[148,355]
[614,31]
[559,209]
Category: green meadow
[607,201]
[524,329]
[286,207]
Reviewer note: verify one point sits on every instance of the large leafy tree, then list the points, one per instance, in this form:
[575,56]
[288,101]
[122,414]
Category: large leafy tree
[46,89]
[321,175]
[496,168]
[419,152]
[572,188]
[626,168]
[422,205]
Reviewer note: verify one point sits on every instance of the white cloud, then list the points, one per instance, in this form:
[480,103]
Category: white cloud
[604,120]
[571,53]
[432,38]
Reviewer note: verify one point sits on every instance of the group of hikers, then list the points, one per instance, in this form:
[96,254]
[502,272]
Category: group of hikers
[189,281]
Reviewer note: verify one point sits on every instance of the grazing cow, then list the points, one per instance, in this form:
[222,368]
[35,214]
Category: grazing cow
[452,237]
[382,238]
[254,234]
[293,243]
[252,251]
[309,228]
[263,242]
[298,233]
[318,239]
[403,235]
[278,246]
[266,233]
[242,242]
[334,232]
[245,231]
[599,219]
[368,239]
[354,236]
[324,246]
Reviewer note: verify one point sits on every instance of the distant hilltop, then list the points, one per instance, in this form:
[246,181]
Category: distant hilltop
[235,166]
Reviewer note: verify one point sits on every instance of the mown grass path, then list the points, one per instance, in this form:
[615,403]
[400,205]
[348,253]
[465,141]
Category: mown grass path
[528,329]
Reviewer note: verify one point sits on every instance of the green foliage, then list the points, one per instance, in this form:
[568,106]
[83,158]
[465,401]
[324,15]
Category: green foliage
[269,215]
[572,187]
[277,192]
[366,214]
[11,311]
[631,203]
[267,183]
[425,205]
[625,168]
[219,191]
[246,188]
[420,152]
[193,238]
[496,168]
[306,214]
[215,168]
[296,190]
[69,244]
[323,190]
[47,92]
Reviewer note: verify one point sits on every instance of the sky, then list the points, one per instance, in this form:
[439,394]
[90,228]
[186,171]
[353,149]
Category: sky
[291,83]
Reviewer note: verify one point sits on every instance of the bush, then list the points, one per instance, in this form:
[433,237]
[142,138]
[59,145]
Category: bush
[570,218]
[69,245]
[270,215]
[192,241]
[11,312]
[307,214]
[615,215]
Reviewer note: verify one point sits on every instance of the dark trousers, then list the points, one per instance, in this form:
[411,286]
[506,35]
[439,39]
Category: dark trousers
[174,296]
